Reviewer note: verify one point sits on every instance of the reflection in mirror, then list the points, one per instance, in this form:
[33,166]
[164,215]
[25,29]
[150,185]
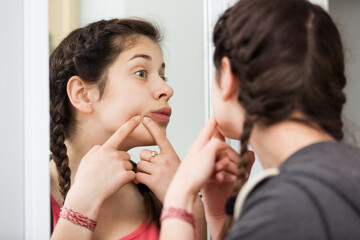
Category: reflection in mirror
[182,47]
[182,51]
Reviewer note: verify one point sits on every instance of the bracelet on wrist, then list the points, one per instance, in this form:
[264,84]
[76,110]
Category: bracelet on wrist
[77,218]
[171,212]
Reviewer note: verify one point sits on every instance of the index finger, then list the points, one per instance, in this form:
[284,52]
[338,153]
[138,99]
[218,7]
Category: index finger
[118,137]
[157,133]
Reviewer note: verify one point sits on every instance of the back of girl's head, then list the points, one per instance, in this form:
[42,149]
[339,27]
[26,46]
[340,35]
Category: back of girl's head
[86,52]
[288,58]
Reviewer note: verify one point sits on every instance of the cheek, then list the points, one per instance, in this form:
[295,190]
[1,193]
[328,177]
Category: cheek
[141,137]
[128,105]
[227,128]
[120,106]
[216,104]
[228,117]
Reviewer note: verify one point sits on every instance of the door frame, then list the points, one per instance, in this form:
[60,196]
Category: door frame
[36,120]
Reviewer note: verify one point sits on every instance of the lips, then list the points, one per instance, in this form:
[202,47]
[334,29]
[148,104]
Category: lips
[161,115]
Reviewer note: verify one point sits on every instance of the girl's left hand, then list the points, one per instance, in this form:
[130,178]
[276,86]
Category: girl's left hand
[220,186]
[156,172]
[196,169]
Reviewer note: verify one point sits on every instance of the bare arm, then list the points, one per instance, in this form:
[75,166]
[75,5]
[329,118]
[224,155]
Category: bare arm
[67,230]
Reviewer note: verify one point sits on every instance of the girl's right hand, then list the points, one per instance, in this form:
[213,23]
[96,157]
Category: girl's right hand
[102,171]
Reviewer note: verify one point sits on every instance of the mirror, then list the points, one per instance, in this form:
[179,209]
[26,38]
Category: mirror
[181,23]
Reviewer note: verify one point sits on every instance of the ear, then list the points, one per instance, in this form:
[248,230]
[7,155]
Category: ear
[78,94]
[228,80]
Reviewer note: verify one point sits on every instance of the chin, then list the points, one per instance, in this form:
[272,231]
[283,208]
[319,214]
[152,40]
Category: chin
[229,133]
[141,137]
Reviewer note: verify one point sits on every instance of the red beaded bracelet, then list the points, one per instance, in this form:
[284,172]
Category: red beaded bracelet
[77,218]
[181,214]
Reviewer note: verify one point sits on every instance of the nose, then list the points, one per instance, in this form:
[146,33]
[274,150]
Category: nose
[164,91]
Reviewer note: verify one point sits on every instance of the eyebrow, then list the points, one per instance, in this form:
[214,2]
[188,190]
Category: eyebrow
[146,57]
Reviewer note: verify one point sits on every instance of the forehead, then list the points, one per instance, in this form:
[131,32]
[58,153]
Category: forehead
[143,46]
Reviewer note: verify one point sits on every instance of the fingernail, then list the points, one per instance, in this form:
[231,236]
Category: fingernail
[232,178]
[146,119]
[137,118]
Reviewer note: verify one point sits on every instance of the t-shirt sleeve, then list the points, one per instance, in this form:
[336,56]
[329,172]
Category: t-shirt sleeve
[278,211]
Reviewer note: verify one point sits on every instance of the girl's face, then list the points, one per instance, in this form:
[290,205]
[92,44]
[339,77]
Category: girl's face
[135,86]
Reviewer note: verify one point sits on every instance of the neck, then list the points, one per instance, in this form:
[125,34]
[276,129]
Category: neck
[80,143]
[127,199]
[276,143]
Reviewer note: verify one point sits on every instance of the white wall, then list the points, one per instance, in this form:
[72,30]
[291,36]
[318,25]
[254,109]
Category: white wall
[323,3]
[346,14]
[11,127]
[182,25]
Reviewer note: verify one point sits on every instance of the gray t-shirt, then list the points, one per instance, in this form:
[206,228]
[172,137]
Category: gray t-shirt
[315,196]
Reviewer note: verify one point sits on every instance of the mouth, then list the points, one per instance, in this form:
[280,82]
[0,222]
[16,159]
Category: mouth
[161,115]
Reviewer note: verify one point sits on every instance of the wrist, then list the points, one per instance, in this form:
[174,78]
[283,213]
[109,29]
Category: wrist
[180,197]
[217,213]
[183,215]
[78,218]
[83,203]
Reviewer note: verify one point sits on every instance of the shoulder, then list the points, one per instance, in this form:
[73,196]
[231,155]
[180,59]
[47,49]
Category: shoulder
[299,202]
[276,208]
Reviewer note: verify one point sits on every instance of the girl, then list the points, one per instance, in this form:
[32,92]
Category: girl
[279,87]
[104,78]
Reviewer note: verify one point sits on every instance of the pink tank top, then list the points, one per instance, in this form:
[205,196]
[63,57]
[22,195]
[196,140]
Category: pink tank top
[142,232]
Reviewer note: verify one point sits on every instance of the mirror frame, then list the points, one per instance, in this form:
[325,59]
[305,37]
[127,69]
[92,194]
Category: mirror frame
[36,119]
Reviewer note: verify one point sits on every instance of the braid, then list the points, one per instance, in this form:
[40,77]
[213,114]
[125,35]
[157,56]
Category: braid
[59,155]
[59,121]
[241,176]
[244,156]
[62,67]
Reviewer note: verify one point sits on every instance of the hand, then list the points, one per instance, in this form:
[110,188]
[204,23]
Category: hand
[104,169]
[219,188]
[196,168]
[157,172]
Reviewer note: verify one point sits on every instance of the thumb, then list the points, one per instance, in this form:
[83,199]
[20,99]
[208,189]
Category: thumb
[215,147]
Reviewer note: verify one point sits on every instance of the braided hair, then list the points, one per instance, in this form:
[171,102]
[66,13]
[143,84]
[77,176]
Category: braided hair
[288,57]
[88,52]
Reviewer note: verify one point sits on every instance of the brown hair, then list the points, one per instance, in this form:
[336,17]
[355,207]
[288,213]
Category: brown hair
[288,57]
[88,52]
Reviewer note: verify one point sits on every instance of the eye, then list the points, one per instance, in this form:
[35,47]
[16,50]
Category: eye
[141,73]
